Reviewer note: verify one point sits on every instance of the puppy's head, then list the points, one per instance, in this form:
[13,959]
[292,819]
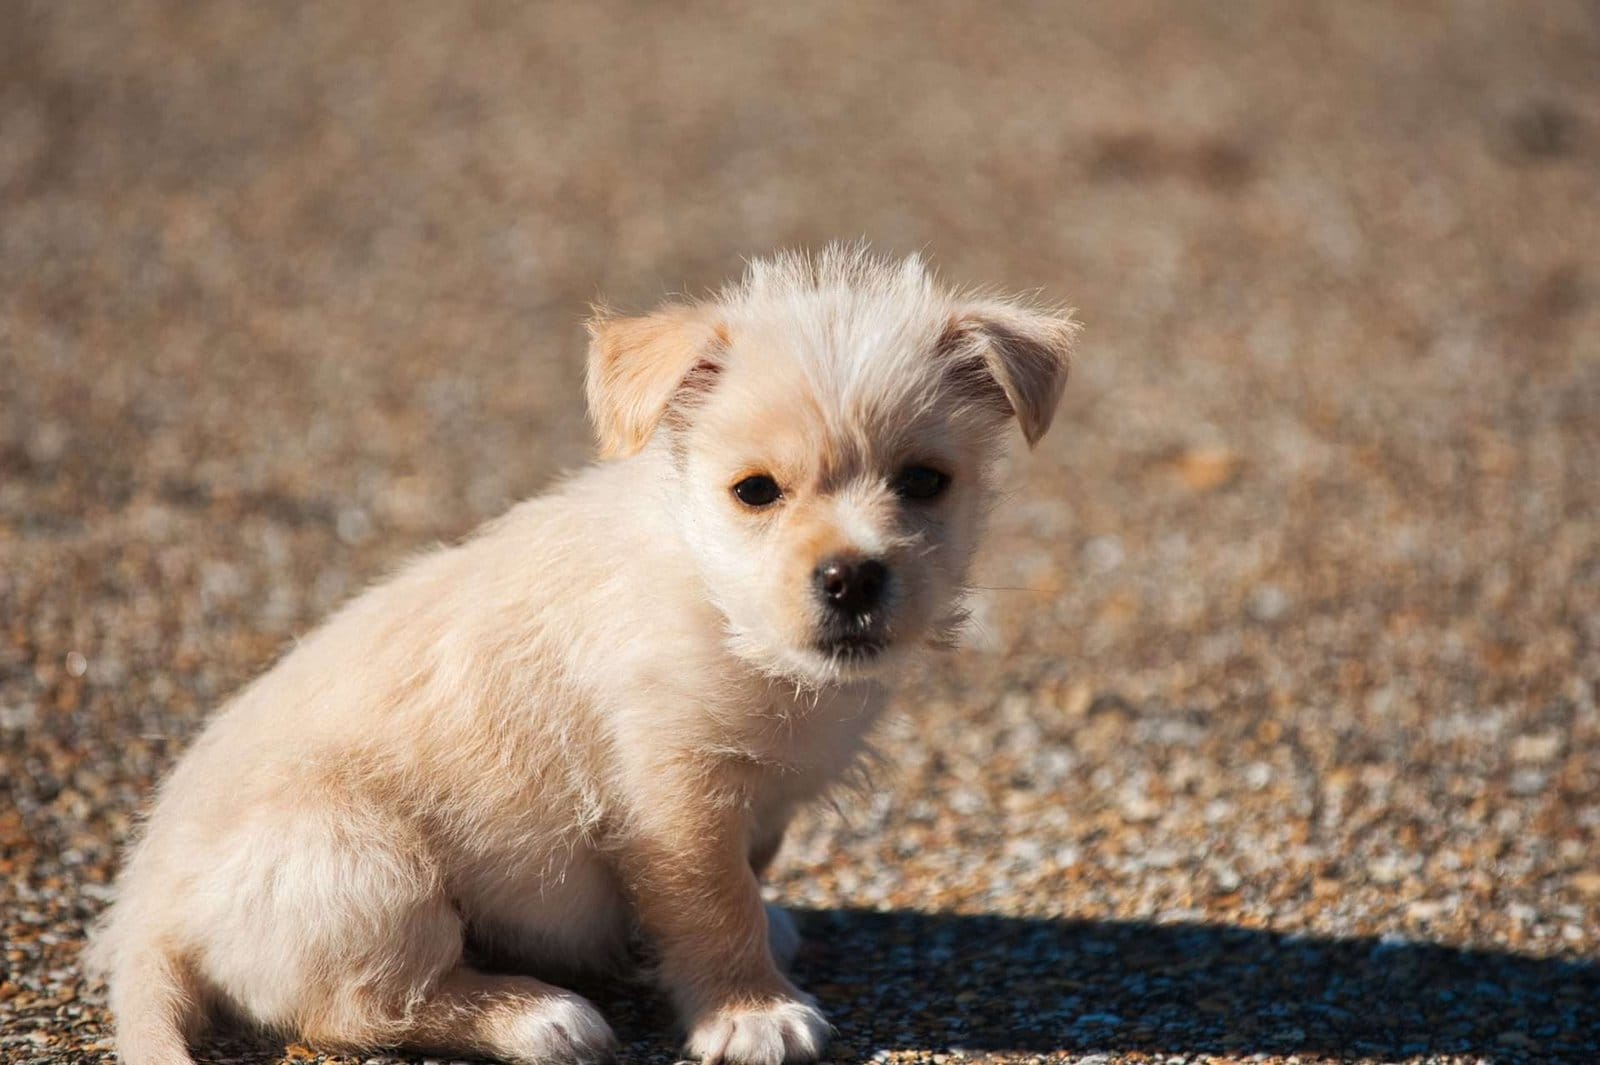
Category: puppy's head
[831,425]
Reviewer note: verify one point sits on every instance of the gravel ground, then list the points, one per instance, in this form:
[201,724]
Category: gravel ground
[1280,738]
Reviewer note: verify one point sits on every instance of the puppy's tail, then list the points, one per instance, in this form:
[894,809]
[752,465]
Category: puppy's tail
[157,1007]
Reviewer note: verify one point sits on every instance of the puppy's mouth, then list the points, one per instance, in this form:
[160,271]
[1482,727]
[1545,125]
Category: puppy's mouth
[853,647]
[854,639]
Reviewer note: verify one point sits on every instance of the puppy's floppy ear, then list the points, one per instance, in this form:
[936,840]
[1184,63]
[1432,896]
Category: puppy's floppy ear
[639,366]
[1012,356]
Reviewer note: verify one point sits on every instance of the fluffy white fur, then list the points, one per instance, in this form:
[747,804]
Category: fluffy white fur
[593,719]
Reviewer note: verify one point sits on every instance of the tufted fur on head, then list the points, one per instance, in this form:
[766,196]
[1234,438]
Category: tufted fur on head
[876,332]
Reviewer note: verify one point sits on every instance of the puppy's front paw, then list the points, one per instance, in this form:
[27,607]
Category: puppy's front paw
[788,1030]
[782,935]
[562,1029]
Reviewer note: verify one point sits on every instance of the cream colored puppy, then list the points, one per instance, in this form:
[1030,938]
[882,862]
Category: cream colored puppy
[593,720]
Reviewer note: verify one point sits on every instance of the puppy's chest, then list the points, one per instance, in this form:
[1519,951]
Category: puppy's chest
[807,741]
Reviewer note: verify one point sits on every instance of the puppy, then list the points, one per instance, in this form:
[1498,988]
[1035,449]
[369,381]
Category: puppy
[592,721]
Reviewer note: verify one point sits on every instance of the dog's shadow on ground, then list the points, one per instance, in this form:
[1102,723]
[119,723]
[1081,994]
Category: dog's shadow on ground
[986,984]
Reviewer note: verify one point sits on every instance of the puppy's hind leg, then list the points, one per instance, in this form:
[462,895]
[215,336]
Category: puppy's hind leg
[514,1019]
[374,958]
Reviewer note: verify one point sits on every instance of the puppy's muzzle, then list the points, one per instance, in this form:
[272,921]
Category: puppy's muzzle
[851,586]
[852,591]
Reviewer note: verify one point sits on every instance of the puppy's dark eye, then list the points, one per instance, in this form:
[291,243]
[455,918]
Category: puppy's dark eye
[757,490]
[921,482]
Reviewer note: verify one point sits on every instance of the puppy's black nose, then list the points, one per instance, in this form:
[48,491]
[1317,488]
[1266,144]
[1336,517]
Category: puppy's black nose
[851,585]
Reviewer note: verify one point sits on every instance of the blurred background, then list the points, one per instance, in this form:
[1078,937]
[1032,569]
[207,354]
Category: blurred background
[1279,735]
